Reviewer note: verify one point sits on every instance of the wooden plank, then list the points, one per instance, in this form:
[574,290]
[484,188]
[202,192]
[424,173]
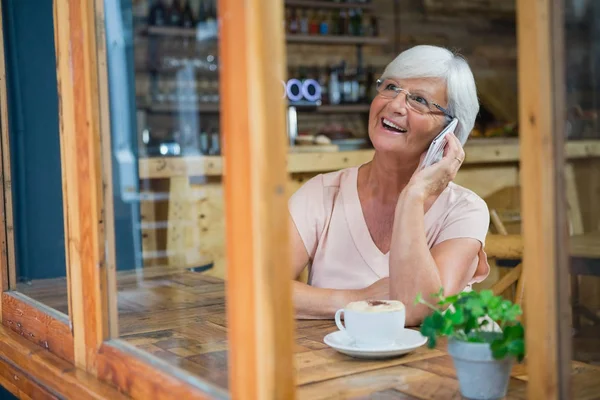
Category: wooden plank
[336,40]
[107,280]
[8,269]
[541,124]
[20,385]
[504,246]
[38,324]
[134,372]
[51,372]
[328,5]
[478,151]
[259,301]
[574,210]
[163,167]
[327,364]
[77,76]
[180,214]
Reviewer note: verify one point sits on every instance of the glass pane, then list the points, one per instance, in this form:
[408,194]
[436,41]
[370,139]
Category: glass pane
[582,178]
[163,71]
[36,243]
[343,221]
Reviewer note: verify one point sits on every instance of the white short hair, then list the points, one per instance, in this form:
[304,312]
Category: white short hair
[437,62]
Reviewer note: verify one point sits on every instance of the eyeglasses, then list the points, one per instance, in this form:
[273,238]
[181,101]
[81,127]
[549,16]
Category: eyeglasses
[390,89]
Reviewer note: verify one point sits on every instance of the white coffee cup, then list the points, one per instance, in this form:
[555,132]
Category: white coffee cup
[373,322]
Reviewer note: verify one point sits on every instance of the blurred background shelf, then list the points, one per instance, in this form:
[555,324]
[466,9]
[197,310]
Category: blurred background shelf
[332,39]
[328,5]
[214,108]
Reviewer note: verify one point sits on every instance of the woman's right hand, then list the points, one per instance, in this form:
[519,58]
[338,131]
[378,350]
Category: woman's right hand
[379,290]
[432,180]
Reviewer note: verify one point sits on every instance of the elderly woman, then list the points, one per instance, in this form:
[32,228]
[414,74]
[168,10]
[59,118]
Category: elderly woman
[385,230]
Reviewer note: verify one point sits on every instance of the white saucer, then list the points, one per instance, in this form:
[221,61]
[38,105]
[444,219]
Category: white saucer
[409,341]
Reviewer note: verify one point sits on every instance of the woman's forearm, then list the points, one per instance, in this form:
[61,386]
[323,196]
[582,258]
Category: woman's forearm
[412,268]
[318,303]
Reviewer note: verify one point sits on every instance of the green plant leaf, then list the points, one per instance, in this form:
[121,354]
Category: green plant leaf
[457,317]
[499,349]
[474,304]
[486,296]
[462,319]
[419,298]
[494,302]
[514,332]
[517,348]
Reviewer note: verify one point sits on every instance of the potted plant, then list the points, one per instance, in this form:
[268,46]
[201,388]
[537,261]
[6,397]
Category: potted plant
[484,338]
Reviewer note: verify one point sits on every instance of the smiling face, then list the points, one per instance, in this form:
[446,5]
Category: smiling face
[396,127]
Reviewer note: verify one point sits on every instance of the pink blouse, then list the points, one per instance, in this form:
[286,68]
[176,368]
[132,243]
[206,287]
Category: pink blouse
[327,213]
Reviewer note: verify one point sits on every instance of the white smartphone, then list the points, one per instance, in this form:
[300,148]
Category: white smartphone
[436,149]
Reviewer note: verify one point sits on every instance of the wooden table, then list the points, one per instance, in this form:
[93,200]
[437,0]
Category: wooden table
[180,317]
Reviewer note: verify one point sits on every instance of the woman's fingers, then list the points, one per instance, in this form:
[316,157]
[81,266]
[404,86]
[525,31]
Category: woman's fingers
[454,154]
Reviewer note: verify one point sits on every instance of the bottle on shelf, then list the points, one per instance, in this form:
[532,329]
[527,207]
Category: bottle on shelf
[288,19]
[211,19]
[351,22]
[357,23]
[303,23]
[175,13]
[374,26]
[343,23]
[334,26]
[323,23]
[367,28]
[158,14]
[187,19]
[201,16]
[313,24]
[215,146]
[204,141]
[361,78]
[346,84]
[334,86]
[294,22]
[324,84]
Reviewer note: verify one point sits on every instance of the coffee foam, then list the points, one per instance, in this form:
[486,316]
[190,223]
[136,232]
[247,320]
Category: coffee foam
[375,306]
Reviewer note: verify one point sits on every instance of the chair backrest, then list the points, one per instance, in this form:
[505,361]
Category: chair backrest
[514,276]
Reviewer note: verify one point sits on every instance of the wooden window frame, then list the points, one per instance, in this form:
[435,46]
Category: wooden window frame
[260,347]
[540,38]
[27,317]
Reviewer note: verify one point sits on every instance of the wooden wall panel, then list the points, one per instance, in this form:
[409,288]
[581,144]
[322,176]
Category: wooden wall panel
[77,75]
[259,302]
[541,122]
[30,320]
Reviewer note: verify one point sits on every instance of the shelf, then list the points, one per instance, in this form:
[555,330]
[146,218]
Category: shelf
[167,31]
[325,4]
[170,31]
[214,108]
[174,108]
[332,39]
[333,109]
[484,151]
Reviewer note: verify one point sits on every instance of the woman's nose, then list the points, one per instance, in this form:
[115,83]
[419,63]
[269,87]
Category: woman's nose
[398,104]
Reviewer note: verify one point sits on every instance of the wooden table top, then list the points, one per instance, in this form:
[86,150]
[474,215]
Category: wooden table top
[586,245]
[189,329]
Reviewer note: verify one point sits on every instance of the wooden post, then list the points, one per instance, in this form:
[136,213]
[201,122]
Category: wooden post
[261,329]
[77,75]
[8,272]
[542,127]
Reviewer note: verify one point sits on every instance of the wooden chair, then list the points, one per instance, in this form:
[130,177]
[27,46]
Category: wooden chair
[508,247]
[505,245]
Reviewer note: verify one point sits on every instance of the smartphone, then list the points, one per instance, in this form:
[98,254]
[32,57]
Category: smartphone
[436,149]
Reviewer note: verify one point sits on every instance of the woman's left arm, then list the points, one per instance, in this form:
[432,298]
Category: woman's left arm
[414,268]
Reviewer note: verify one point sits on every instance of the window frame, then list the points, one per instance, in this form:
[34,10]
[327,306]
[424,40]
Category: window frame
[261,361]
